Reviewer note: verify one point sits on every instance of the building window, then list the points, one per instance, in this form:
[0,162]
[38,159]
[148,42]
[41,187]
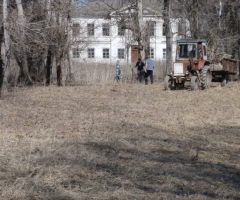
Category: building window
[105,29]
[152,53]
[91,53]
[164,53]
[105,53]
[204,50]
[90,28]
[151,28]
[76,29]
[76,52]
[180,28]
[121,30]
[121,53]
[164,29]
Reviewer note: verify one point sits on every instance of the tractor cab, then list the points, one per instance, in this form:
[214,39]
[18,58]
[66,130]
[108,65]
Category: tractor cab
[190,48]
[192,53]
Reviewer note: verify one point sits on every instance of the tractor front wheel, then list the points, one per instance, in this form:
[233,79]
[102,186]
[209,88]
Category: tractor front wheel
[225,80]
[194,83]
[168,83]
[206,77]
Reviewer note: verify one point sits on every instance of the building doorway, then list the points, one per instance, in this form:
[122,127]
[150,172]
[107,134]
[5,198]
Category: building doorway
[134,54]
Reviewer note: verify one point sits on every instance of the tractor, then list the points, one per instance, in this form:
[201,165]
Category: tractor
[192,64]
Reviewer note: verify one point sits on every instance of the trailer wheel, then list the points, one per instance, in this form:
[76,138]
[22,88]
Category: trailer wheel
[194,83]
[206,77]
[167,83]
[225,80]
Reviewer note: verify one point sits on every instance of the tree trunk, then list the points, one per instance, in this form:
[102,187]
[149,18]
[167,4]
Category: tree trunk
[70,75]
[1,59]
[238,59]
[140,28]
[193,12]
[48,66]
[59,68]
[195,28]
[63,46]
[24,63]
[42,71]
[49,60]
[169,35]
[5,51]
[238,20]
[143,36]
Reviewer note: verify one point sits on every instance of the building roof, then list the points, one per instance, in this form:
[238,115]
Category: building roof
[93,9]
[191,40]
[147,11]
[102,9]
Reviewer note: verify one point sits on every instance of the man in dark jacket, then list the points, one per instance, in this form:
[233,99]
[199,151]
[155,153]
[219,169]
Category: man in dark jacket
[140,69]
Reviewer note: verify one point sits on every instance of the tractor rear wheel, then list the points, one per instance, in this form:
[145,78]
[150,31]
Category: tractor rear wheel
[206,77]
[194,83]
[167,83]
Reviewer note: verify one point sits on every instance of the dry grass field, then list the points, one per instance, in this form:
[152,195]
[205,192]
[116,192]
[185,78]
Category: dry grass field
[120,141]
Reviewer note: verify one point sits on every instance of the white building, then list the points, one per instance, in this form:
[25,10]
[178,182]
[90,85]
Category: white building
[97,34]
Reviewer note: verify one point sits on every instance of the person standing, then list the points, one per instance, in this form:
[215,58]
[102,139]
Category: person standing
[140,69]
[118,71]
[149,68]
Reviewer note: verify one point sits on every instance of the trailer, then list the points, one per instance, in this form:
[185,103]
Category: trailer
[223,69]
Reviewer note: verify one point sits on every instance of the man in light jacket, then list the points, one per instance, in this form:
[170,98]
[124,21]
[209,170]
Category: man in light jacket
[149,70]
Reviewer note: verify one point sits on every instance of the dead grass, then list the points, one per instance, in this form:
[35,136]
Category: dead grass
[89,73]
[120,141]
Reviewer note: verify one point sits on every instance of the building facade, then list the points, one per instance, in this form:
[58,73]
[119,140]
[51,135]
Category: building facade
[103,38]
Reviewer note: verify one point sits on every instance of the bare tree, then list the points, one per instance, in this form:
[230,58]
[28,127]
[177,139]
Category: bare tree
[21,53]
[59,39]
[40,38]
[5,49]
[216,21]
